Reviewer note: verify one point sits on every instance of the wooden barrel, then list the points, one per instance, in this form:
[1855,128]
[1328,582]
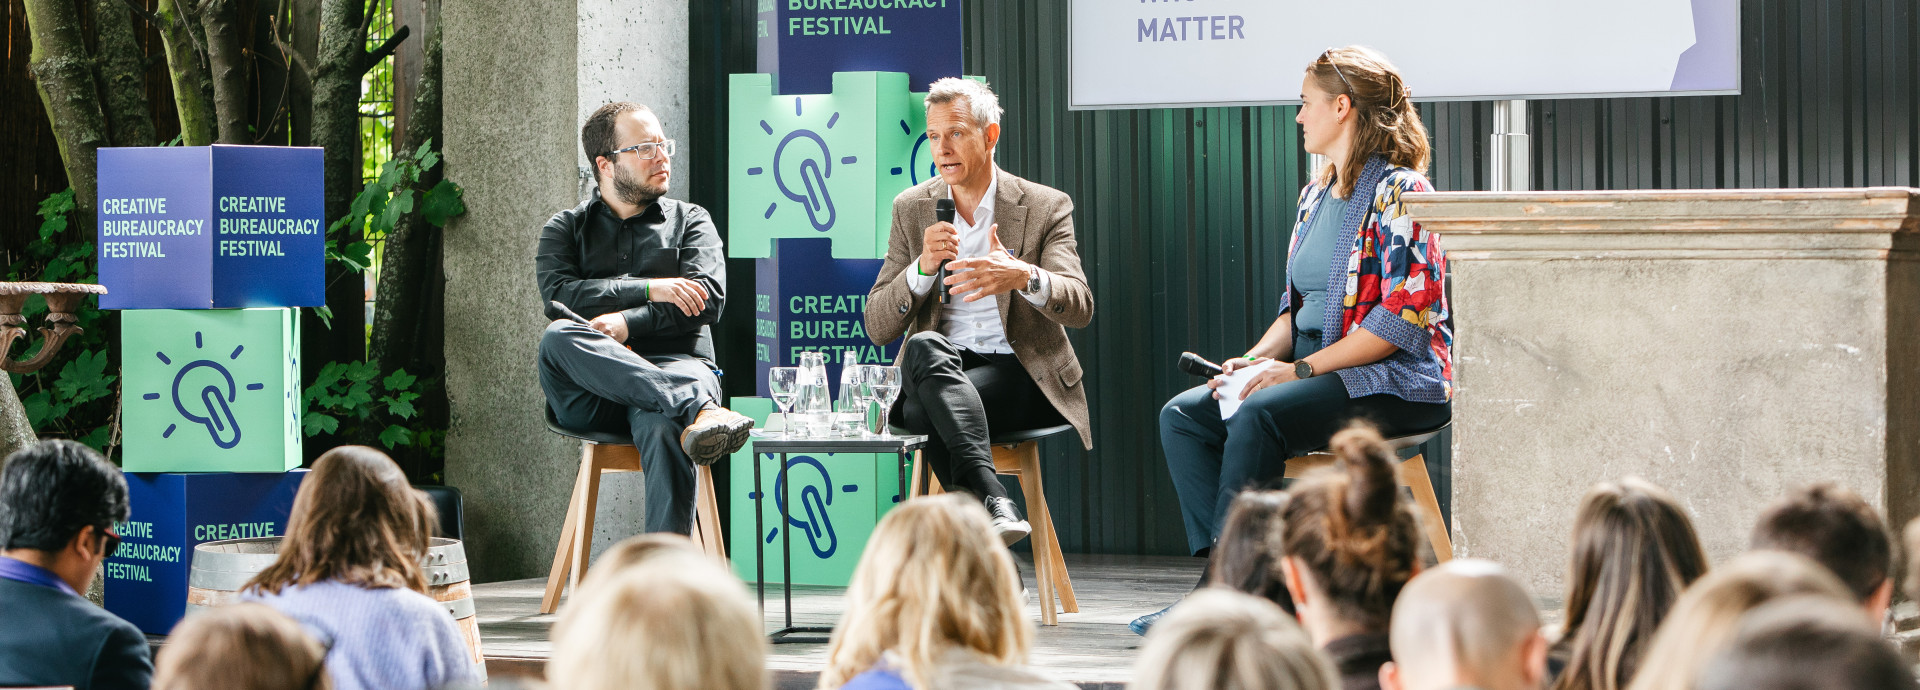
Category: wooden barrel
[221,568]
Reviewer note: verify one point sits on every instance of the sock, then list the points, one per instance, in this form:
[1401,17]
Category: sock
[982,482]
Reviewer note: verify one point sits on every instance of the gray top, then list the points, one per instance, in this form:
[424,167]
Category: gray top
[1307,268]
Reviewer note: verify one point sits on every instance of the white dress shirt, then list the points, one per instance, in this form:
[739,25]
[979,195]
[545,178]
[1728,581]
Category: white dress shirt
[975,325]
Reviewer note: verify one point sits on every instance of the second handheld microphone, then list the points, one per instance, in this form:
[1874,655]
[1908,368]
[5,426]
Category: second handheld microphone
[943,211]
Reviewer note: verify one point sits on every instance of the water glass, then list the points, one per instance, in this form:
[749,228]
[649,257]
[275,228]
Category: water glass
[783,385]
[884,384]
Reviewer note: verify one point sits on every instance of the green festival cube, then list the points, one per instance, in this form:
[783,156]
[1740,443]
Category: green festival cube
[211,390]
[825,165]
[837,499]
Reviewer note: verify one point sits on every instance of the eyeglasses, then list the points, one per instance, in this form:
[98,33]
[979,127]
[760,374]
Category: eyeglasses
[1328,56]
[647,150]
[112,541]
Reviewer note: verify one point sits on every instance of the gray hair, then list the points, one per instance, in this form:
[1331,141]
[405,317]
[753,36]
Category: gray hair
[981,103]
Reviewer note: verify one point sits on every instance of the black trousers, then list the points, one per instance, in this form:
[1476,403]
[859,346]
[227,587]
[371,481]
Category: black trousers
[957,397]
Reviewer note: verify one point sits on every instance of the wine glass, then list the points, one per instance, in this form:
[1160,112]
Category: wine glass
[884,382]
[783,385]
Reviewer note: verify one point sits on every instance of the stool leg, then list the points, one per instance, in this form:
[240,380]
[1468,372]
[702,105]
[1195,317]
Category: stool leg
[1062,583]
[708,514]
[913,477]
[1042,544]
[583,527]
[1413,473]
[563,551]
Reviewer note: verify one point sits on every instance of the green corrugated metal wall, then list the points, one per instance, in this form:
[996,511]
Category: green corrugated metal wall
[1182,213]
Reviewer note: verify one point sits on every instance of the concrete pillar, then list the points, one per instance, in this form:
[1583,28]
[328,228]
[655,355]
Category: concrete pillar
[520,78]
[1727,345]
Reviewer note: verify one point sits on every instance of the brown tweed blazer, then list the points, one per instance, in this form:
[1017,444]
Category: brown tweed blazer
[1036,225]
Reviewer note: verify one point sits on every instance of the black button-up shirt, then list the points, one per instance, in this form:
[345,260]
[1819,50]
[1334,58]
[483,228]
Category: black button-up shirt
[596,263]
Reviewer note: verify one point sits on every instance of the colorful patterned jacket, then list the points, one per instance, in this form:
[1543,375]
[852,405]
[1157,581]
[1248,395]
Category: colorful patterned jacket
[1398,294]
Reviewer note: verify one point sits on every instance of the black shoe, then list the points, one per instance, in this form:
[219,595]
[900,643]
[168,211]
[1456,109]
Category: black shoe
[1141,625]
[1006,520]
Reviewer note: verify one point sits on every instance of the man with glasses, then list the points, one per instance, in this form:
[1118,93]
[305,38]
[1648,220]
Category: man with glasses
[59,501]
[632,281]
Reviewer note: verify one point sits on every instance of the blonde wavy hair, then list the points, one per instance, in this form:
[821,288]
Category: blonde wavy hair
[1704,620]
[676,621]
[934,577]
[1385,121]
[241,647]
[1222,638]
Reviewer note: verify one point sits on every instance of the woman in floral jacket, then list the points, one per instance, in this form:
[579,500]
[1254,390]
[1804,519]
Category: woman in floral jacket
[1364,331]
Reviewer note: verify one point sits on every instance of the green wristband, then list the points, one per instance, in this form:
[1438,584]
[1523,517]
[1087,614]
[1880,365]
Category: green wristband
[646,290]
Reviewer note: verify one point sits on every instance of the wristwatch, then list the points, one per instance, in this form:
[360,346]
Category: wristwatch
[1302,370]
[1033,280]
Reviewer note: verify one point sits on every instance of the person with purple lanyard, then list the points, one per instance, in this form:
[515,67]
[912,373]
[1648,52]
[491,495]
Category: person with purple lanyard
[59,501]
[1364,330]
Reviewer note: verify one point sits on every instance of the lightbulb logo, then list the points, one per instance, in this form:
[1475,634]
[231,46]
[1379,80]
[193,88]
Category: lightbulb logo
[205,393]
[802,164]
[810,517]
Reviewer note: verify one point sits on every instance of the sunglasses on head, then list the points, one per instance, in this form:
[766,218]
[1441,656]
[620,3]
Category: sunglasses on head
[1328,56]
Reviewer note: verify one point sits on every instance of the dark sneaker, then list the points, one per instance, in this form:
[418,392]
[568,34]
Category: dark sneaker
[1006,520]
[1140,625]
[715,434]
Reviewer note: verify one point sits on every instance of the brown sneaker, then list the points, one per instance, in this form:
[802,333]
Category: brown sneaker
[715,434]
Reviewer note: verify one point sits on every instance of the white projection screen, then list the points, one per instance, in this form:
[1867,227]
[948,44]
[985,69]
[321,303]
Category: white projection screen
[1184,53]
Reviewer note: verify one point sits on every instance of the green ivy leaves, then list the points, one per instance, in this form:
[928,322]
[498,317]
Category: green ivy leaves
[384,202]
[354,394]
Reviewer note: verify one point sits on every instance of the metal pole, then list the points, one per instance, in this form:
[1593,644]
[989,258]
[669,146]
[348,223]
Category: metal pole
[1510,147]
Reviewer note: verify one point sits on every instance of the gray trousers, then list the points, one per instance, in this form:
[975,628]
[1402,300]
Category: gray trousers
[595,384]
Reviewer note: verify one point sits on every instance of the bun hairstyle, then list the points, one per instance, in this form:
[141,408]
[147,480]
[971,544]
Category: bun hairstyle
[1348,526]
[1385,121]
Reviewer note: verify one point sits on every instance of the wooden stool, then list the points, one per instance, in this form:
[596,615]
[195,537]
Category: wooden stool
[1018,454]
[1412,474]
[600,453]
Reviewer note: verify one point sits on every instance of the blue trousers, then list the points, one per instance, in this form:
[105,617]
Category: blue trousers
[596,384]
[1212,460]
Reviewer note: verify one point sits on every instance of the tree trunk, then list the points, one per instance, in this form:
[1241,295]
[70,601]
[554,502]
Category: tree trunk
[192,86]
[63,72]
[227,67]
[15,431]
[342,60]
[405,280]
[120,71]
[303,37]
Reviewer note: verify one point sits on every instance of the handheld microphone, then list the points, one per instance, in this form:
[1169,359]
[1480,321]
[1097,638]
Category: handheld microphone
[943,211]
[1198,366]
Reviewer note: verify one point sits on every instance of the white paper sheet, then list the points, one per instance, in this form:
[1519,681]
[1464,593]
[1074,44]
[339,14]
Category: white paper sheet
[1236,382]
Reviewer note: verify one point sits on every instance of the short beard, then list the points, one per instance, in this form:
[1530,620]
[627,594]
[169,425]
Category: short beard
[635,191]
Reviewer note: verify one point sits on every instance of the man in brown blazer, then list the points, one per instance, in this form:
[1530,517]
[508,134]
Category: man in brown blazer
[997,357]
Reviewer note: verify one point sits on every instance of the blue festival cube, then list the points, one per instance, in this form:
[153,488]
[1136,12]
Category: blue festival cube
[146,577]
[202,227]
[809,301]
[803,42]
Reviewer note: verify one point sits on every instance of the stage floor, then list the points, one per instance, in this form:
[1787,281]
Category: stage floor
[1092,648]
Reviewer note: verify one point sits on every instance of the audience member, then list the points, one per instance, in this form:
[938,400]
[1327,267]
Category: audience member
[59,501]
[1836,528]
[1465,624]
[240,647]
[934,605]
[1912,541]
[349,570]
[1805,643]
[675,621]
[636,550]
[1704,619]
[1634,552]
[1247,556]
[1350,544]
[1220,638]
